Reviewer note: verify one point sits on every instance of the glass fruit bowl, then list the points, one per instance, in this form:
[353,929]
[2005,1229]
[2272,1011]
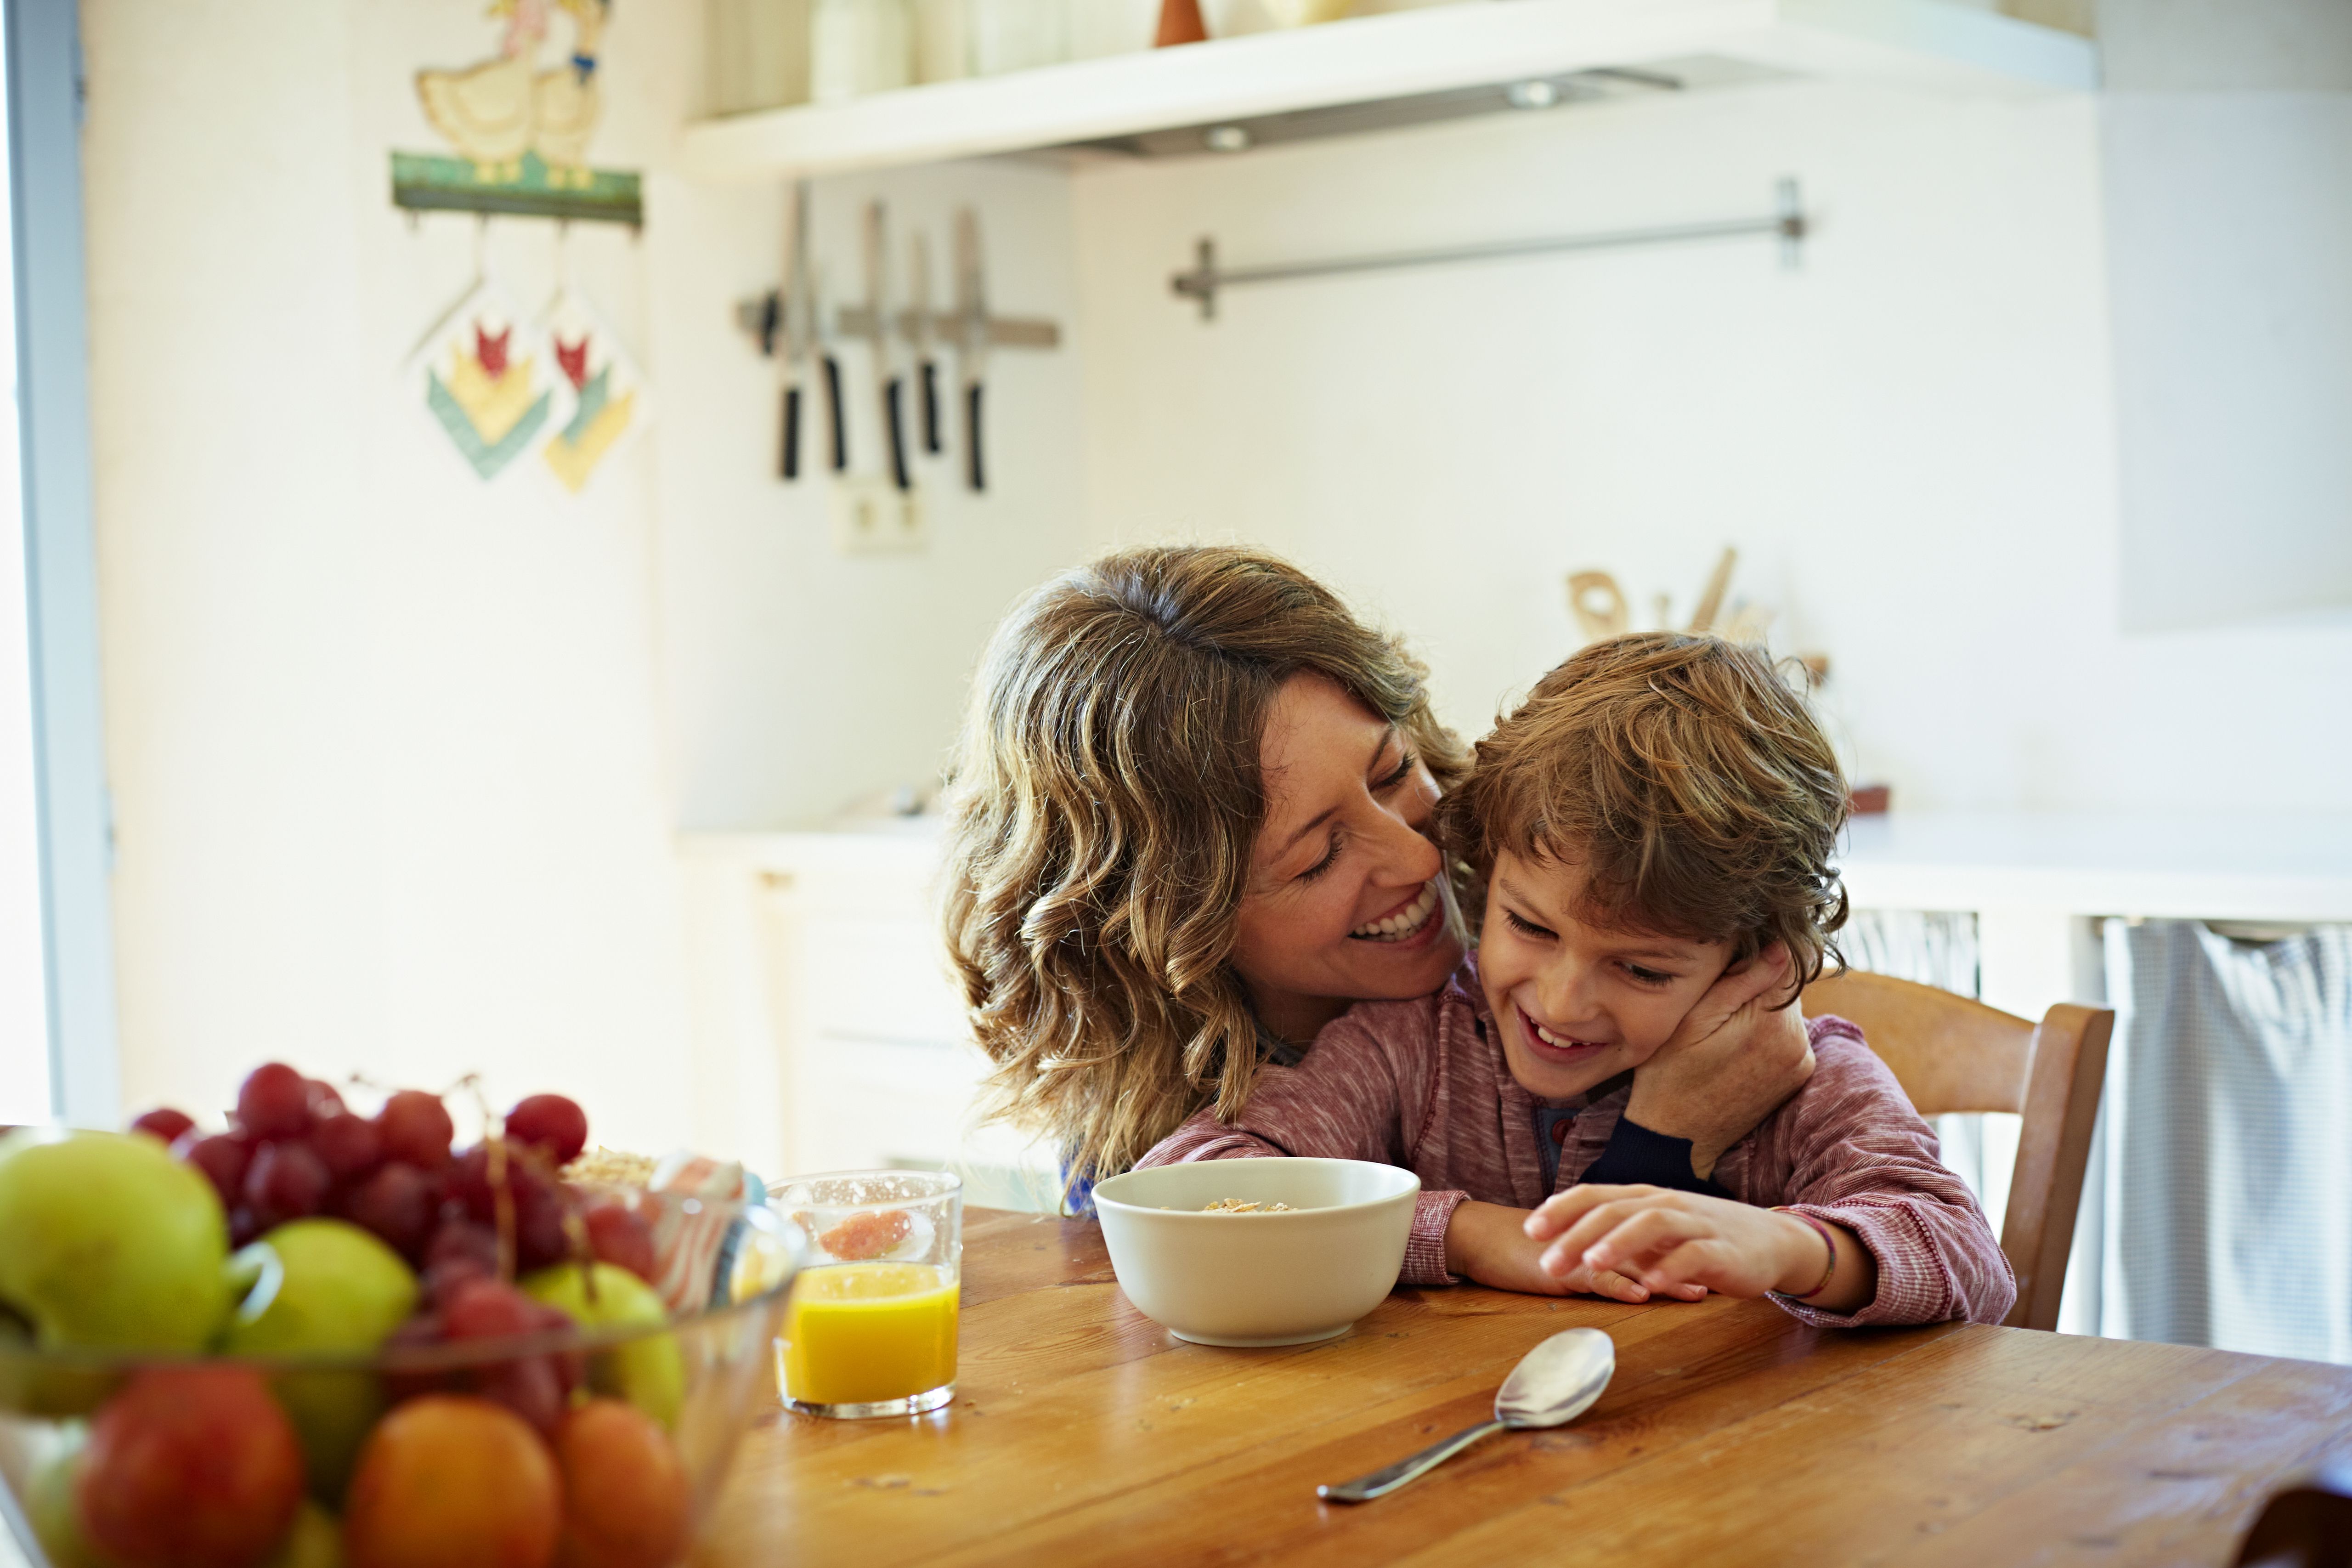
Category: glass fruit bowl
[604,1443]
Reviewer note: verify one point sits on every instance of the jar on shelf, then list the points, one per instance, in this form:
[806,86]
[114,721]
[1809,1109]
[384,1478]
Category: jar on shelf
[857,46]
[943,39]
[756,54]
[1017,35]
[1099,27]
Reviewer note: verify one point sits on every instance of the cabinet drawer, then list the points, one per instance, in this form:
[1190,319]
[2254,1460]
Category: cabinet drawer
[876,975]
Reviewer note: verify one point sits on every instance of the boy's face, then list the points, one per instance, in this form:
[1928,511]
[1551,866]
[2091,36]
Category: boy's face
[1579,1004]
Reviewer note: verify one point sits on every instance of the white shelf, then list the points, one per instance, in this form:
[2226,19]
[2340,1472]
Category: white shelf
[1930,45]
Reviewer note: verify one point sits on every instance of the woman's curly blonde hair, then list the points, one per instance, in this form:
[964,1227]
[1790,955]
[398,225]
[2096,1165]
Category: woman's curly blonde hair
[1102,804]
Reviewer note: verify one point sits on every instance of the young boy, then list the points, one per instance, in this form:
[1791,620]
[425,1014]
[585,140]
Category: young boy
[1660,811]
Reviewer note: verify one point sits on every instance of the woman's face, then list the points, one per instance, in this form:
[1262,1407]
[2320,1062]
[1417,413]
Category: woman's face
[1344,902]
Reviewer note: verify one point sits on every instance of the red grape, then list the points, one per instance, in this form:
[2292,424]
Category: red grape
[540,1202]
[285,1182]
[275,1102]
[619,1236]
[397,1203]
[536,1387]
[419,1332]
[325,1100]
[349,1146]
[531,1387]
[243,1227]
[416,1128]
[166,1124]
[461,1250]
[551,1122]
[488,1310]
[224,1157]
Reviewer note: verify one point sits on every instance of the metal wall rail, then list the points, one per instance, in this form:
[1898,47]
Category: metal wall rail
[1207,279]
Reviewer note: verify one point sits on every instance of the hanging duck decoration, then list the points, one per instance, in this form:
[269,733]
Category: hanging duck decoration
[495,382]
[521,133]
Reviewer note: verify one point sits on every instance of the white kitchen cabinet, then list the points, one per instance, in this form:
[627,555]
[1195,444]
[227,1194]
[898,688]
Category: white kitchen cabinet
[828,1033]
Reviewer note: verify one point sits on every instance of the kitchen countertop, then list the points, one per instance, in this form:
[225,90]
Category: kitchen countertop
[2253,865]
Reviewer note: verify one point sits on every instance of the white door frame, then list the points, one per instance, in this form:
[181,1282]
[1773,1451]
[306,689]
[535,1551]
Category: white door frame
[45,86]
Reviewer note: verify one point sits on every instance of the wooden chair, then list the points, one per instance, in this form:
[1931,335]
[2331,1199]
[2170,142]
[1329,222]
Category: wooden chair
[1952,1054]
[2309,1526]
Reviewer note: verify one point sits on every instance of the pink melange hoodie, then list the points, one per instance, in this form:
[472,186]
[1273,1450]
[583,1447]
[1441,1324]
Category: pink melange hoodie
[1423,1084]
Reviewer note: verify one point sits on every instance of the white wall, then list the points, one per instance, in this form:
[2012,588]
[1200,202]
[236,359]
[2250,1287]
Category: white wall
[799,679]
[1910,439]
[399,759]
[389,784]
[2227,160]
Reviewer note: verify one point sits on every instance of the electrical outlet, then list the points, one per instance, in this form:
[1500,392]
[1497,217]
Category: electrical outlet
[875,517]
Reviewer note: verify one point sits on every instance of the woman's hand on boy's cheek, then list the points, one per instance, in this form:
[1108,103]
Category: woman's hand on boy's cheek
[1733,1061]
[1672,1241]
[1489,1243]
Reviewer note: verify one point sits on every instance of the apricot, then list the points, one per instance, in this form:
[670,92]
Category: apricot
[192,1466]
[627,1503]
[446,1480]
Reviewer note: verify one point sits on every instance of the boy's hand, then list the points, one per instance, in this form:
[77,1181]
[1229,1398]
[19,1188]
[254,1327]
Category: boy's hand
[1490,1243]
[1731,1063]
[1669,1240]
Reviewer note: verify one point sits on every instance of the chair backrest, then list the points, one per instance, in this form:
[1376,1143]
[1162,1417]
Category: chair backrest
[2308,1526]
[1952,1054]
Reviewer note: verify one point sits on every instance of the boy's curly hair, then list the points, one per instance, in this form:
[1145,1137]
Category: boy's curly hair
[1689,778]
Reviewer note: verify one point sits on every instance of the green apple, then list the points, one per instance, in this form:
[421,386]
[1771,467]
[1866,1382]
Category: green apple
[106,1243]
[322,1287]
[648,1371]
[33,1384]
[315,1541]
[50,1507]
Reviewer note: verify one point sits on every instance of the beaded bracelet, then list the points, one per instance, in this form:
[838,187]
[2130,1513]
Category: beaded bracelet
[1829,1238]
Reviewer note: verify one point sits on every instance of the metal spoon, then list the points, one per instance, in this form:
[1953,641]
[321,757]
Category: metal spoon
[1552,1385]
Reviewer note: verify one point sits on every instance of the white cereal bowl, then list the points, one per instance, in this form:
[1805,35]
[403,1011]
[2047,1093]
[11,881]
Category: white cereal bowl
[1258,1279]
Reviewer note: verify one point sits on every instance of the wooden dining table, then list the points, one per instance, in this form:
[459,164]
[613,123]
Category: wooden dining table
[1083,1432]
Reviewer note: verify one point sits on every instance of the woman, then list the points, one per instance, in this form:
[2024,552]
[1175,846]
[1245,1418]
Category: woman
[1191,823]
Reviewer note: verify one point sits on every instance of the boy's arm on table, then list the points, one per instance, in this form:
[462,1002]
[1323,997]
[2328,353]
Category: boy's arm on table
[1866,1162]
[1906,1242]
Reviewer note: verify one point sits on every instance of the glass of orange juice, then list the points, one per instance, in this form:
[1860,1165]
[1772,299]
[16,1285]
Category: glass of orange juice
[871,1330]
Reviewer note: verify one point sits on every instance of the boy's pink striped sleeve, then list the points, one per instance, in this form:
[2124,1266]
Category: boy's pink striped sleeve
[1424,1247]
[1868,1162]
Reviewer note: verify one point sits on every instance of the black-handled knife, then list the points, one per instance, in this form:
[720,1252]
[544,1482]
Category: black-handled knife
[792,444]
[892,407]
[832,414]
[789,331]
[972,332]
[919,318]
[775,342]
[973,472]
